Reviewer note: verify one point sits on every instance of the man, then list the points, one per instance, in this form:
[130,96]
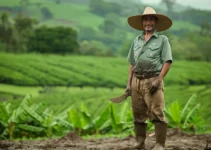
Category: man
[150,59]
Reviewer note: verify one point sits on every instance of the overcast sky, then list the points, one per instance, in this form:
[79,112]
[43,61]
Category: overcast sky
[200,4]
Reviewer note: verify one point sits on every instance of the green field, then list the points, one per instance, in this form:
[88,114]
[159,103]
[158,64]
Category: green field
[52,70]
[62,81]
[59,98]
[72,90]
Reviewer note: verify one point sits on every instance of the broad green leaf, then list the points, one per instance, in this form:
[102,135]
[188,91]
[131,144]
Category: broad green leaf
[123,112]
[106,124]
[39,108]
[64,114]
[48,120]
[74,118]
[175,112]
[86,120]
[33,114]
[102,118]
[19,113]
[168,116]
[113,116]
[186,108]
[64,123]
[5,111]
[30,128]
[190,114]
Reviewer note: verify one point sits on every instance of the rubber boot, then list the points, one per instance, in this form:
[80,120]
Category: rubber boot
[160,134]
[140,131]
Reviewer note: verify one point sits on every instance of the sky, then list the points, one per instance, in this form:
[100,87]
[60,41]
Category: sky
[199,4]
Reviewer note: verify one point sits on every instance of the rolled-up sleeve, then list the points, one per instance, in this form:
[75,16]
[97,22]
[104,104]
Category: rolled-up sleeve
[166,54]
[130,57]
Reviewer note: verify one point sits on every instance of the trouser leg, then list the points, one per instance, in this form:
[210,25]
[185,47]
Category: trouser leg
[160,133]
[155,102]
[140,113]
[156,114]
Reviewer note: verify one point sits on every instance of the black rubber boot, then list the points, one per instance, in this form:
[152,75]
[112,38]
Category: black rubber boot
[140,131]
[160,133]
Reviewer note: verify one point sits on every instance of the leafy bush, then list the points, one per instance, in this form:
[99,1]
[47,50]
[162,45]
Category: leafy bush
[59,40]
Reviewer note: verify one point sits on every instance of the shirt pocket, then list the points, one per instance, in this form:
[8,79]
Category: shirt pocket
[136,50]
[137,47]
[153,51]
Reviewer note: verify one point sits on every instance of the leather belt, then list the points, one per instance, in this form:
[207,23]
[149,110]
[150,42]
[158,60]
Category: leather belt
[145,76]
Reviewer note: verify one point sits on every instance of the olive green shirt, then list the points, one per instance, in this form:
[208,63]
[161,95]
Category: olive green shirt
[149,56]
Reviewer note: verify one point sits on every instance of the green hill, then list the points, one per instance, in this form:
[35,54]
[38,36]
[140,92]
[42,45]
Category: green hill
[73,14]
[35,69]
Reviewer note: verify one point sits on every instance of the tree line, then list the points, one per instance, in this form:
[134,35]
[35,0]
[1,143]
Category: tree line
[23,35]
[111,38]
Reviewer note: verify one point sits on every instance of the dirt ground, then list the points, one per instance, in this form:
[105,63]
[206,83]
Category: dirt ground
[176,140]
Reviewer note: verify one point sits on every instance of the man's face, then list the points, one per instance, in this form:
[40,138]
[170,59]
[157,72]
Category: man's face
[149,23]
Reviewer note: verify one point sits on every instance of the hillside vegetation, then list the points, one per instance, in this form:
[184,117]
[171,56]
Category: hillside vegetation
[100,28]
[63,81]
[75,14]
[37,70]
[59,77]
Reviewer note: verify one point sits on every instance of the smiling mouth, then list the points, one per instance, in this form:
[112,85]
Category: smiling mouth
[148,26]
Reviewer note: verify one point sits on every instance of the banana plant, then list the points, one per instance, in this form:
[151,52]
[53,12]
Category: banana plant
[183,118]
[31,120]
[9,118]
[107,121]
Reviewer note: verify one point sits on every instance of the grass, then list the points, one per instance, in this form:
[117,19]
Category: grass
[20,90]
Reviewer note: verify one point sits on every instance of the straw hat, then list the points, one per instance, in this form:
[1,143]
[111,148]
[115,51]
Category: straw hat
[163,22]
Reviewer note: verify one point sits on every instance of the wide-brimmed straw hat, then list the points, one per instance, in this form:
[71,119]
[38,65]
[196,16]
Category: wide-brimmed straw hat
[163,22]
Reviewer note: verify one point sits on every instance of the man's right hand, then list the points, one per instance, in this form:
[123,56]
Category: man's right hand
[128,88]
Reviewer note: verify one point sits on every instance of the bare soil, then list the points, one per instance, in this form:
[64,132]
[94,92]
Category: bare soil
[176,140]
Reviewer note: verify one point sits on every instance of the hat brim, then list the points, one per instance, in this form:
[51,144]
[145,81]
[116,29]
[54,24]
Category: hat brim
[163,22]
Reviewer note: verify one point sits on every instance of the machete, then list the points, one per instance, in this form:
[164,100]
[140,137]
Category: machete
[120,98]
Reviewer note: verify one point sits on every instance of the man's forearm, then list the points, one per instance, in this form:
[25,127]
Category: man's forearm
[130,74]
[165,69]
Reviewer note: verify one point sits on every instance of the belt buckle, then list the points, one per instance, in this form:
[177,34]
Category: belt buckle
[141,76]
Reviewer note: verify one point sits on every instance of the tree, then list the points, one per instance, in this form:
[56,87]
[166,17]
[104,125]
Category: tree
[97,7]
[59,40]
[111,22]
[86,33]
[24,28]
[96,48]
[101,8]
[7,32]
[205,29]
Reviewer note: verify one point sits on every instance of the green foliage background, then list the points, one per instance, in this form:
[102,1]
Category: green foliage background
[62,85]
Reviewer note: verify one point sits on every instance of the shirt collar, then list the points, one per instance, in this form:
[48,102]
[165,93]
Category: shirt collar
[155,34]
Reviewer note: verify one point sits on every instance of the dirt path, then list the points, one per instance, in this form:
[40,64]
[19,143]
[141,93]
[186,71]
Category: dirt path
[175,141]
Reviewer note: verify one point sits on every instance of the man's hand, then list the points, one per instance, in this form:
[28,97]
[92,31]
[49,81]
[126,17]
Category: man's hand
[128,88]
[155,84]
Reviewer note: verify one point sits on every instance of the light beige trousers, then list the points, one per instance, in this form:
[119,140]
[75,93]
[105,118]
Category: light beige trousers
[146,105]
